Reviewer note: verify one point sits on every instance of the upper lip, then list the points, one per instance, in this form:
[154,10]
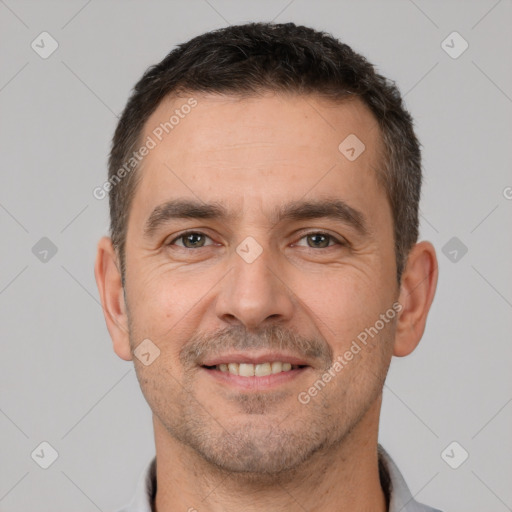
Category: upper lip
[251,358]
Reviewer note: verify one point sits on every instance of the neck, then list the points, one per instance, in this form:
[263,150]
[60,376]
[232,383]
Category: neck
[343,478]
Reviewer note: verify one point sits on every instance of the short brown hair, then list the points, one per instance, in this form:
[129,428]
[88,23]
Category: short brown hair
[247,59]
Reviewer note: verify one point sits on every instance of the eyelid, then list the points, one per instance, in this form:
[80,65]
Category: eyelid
[336,238]
[185,233]
[339,240]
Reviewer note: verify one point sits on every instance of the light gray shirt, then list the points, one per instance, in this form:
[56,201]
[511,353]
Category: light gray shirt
[400,498]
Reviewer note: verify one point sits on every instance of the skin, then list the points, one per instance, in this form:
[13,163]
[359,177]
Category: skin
[219,447]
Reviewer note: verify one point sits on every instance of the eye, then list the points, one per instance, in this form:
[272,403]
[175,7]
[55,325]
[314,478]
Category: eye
[191,239]
[196,240]
[320,240]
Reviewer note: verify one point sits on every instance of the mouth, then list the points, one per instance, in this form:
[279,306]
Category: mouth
[255,370]
[260,376]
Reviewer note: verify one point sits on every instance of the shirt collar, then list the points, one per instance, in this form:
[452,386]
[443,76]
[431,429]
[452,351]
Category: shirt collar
[398,496]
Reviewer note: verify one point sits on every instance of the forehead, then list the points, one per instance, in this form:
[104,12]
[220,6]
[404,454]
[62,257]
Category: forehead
[219,122]
[259,151]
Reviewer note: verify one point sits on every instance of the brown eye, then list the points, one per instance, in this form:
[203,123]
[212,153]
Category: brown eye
[320,240]
[191,240]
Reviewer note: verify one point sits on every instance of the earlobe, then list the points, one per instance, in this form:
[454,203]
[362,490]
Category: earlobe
[417,291]
[108,280]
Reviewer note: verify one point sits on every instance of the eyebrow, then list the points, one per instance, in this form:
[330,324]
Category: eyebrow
[334,209]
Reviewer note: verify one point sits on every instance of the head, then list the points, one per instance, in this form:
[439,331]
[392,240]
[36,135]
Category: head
[248,60]
[294,168]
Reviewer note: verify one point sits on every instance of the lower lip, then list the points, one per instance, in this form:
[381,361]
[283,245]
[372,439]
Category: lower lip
[257,383]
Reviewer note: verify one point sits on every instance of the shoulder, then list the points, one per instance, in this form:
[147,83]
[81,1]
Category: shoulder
[392,480]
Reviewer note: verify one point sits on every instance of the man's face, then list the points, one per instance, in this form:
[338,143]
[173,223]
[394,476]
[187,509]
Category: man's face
[253,287]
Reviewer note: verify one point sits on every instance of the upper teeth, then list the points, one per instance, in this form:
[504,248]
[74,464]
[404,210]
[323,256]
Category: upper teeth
[251,370]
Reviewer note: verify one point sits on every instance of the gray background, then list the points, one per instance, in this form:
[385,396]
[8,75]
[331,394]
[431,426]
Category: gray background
[61,382]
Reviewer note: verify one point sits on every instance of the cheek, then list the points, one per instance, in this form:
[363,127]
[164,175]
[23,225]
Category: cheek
[344,307]
[166,307]
[163,296]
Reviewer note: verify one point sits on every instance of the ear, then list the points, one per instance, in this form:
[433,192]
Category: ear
[419,281]
[108,280]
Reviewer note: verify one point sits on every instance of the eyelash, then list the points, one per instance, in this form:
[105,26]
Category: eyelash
[323,233]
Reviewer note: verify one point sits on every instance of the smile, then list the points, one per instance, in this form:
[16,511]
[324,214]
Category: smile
[255,370]
[255,377]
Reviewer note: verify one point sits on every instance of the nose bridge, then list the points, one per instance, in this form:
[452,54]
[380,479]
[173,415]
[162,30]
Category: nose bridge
[254,290]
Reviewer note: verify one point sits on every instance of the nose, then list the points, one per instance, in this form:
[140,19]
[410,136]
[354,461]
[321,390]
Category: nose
[254,294]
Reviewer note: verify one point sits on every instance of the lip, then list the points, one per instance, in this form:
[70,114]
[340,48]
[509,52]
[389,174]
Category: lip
[254,358]
[256,383]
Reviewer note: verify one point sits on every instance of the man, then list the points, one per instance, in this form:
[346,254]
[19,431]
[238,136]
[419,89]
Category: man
[263,267]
